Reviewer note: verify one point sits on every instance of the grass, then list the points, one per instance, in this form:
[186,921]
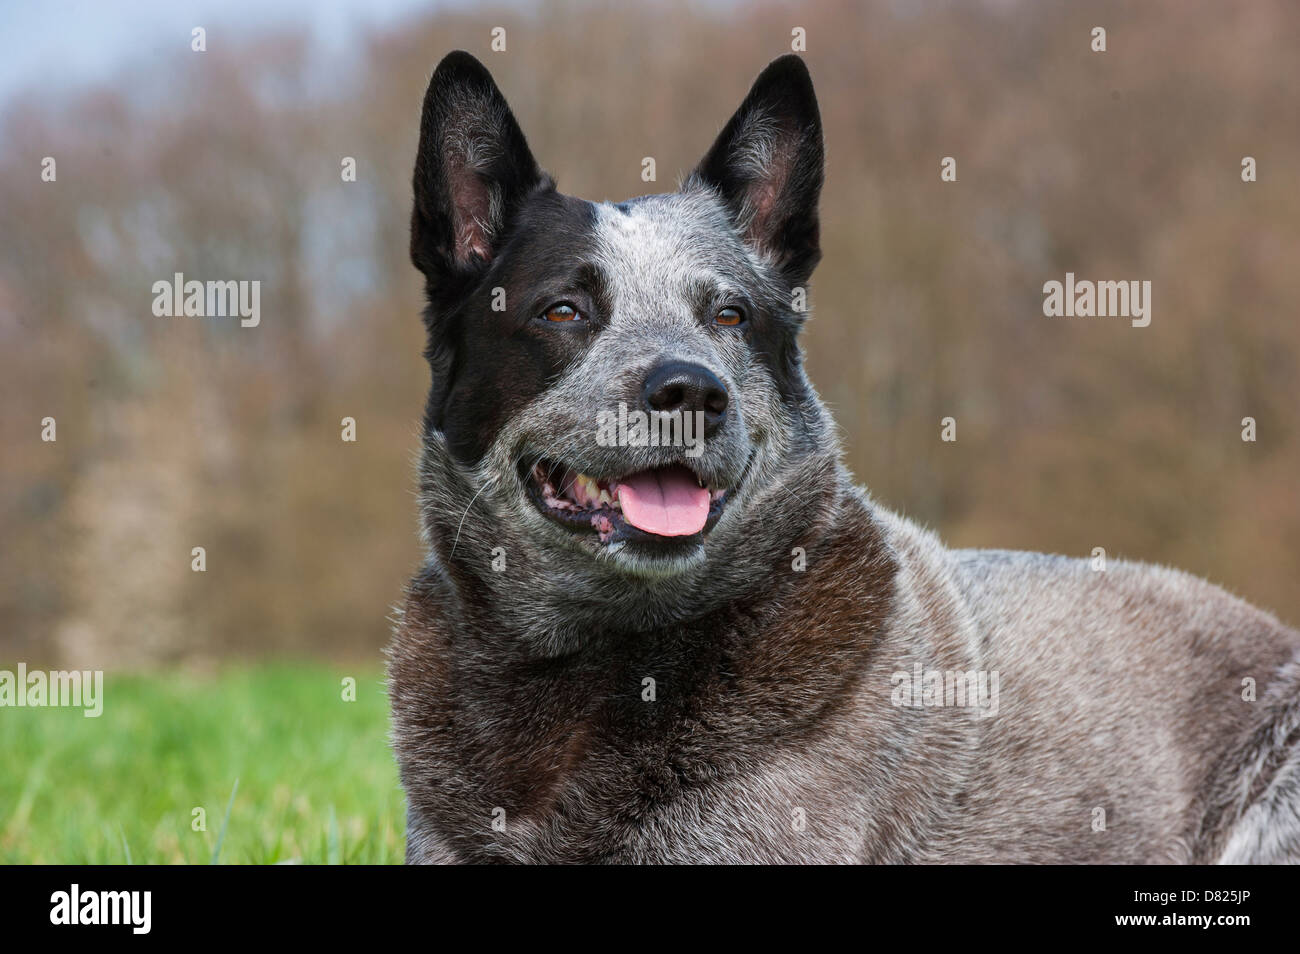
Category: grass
[284,769]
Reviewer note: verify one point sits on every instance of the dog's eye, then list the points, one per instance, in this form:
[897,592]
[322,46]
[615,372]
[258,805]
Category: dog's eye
[562,311]
[729,317]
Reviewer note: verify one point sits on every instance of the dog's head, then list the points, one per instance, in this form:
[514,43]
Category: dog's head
[617,388]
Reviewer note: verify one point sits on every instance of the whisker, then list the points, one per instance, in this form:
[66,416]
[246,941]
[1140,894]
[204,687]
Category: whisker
[485,486]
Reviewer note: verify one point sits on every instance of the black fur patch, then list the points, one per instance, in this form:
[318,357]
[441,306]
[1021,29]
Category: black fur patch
[488,364]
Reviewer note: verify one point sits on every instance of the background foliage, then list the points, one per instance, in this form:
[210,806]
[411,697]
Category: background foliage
[1071,433]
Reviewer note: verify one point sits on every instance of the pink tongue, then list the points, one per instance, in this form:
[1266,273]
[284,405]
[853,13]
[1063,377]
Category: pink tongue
[667,502]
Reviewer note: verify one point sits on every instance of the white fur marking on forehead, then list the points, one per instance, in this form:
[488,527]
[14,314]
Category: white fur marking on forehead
[670,241]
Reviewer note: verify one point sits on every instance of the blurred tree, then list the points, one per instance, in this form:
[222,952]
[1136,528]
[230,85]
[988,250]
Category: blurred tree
[1072,433]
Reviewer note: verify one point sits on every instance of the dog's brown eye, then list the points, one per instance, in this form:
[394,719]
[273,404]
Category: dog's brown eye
[562,312]
[729,317]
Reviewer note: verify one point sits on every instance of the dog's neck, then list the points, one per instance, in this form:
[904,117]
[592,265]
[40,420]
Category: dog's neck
[506,590]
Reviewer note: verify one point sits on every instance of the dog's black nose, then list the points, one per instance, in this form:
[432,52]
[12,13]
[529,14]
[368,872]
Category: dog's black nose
[679,385]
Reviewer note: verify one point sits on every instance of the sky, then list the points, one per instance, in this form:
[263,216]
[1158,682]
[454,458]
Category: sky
[68,43]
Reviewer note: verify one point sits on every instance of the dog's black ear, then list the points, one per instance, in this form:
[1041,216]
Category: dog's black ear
[767,164]
[472,171]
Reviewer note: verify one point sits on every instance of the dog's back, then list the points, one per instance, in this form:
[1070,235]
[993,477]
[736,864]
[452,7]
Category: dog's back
[1130,694]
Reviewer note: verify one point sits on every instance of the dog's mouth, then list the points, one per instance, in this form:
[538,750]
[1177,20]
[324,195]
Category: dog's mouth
[664,504]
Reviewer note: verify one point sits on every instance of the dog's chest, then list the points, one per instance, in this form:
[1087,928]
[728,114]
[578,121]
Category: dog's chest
[633,767]
[740,736]
[717,740]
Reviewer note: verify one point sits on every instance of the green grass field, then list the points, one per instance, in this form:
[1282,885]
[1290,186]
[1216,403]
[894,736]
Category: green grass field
[317,780]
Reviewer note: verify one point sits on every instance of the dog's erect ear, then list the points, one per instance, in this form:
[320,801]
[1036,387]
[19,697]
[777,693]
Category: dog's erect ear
[767,166]
[472,171]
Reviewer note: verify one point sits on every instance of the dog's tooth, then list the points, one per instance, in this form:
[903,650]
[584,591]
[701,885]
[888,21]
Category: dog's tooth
[604,497]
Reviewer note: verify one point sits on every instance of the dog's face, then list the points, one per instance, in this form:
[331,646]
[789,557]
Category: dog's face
[616,387]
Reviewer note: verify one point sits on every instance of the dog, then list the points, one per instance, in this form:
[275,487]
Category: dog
[635,651]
